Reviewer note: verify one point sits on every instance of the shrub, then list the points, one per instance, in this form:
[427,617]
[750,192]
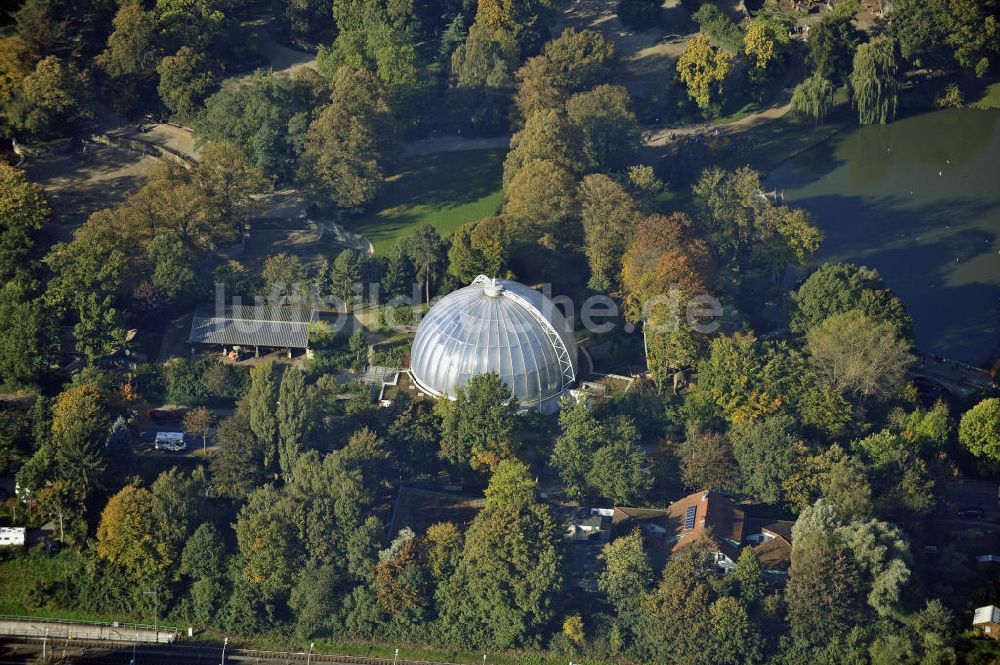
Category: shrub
[951,98]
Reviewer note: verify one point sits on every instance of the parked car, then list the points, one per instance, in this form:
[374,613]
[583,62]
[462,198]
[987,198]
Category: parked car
[972,513]
[161,416]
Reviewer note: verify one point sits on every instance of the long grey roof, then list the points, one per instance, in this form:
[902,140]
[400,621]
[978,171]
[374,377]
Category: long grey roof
[253,325]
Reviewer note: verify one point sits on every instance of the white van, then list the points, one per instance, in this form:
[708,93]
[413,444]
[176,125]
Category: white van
[172,441]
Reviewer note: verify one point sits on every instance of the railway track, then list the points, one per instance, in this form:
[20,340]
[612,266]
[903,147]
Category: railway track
[105,652]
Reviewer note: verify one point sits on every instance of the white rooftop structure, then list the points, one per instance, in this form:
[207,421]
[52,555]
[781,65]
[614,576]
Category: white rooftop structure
[988,614]
[496,325]
[12,536]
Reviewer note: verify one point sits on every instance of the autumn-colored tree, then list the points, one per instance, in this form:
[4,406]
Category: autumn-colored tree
[707,462]
[764,42]
[17,60]
[547,134]
[395,591]
[703,68]
[130,533]
[664,255]
[541,205]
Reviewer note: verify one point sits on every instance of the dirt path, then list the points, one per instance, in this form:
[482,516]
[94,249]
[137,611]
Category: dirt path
[667,135]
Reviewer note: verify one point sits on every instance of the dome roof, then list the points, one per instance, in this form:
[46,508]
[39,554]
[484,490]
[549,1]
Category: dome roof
[497,326]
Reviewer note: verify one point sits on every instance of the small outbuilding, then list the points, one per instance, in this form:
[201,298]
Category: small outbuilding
[238,328]
[986,621]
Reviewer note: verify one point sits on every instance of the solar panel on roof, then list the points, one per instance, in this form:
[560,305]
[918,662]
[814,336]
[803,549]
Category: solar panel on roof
[689,517]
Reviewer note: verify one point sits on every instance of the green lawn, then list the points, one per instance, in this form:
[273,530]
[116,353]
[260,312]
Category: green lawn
[990,98]
[444,190]
[22,571]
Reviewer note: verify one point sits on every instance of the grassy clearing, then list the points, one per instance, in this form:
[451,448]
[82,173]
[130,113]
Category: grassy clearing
[23,571]
[444,190]
[990,98]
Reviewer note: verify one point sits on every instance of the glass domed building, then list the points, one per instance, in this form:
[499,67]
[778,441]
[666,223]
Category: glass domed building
[500,326]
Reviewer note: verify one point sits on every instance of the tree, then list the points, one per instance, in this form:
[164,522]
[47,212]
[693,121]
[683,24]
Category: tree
[131,533]
[261,403]
[979,429]
[507,578]
[822,594]
[875,81]
[766,452]
[350,140]
[98,332]
[173,276]
[442,545]
[204,559]
[285,278]
[580,437]
[832,43]
[23,212]
[230,183]
[55,97]
[575,61]
[609,216]
[764,43]
[266,115]
[481,426]
[293,411]
[200,421]
[625,574]
[734,639]
[619,470]
[131,55]
[481,77]
[675,623]
[707,462]
[375,36]
[750,234]
[266,540]
[546,134]
[478,248]
[749,577]
[858,356]
[511,486]
[23,338]
[427,251]
[237,465]
[345,276]
[610,134]
[541,206]
[703,68]
[932,34]
[836,288]
[813,99]
[186,80]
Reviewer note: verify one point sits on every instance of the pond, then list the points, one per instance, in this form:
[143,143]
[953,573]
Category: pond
[919,201]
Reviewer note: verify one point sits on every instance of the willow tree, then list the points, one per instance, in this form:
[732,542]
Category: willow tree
[875,81]
[813,99]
